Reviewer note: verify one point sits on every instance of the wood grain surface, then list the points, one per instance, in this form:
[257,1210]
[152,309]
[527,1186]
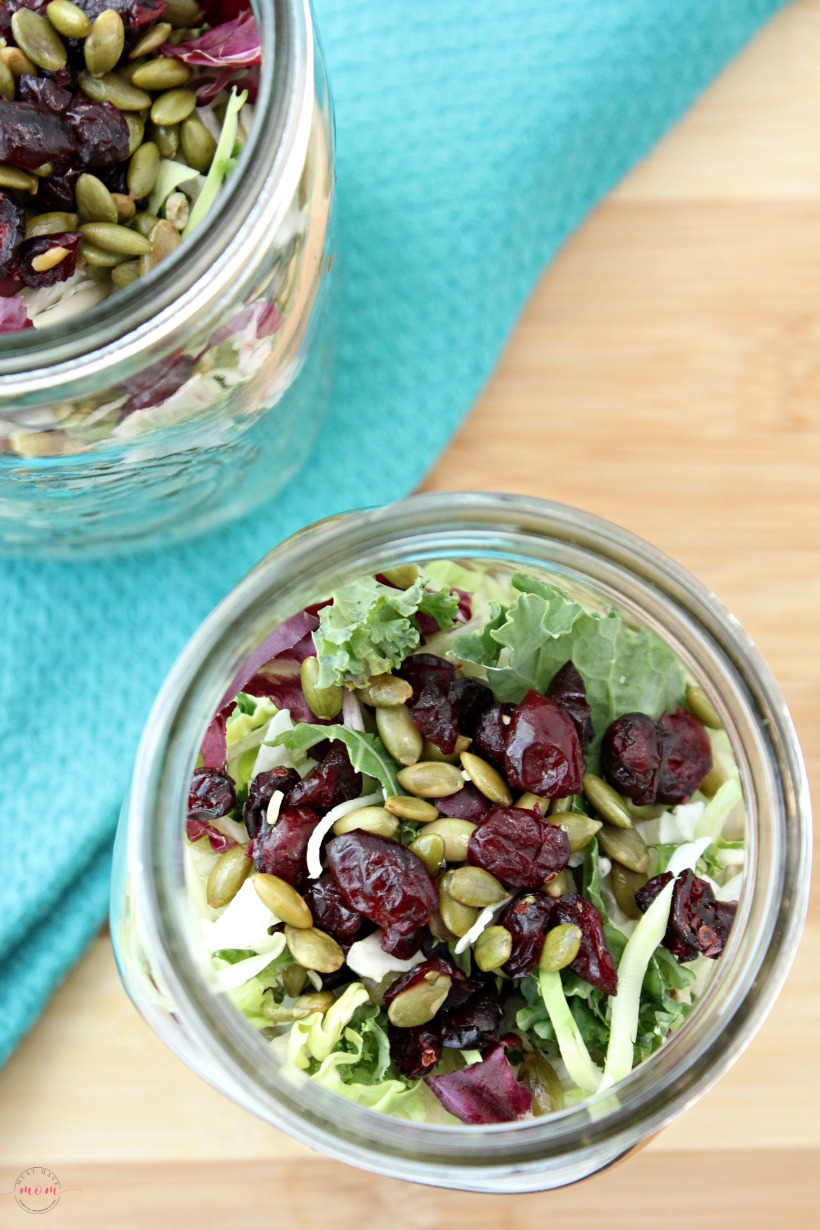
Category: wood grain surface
[666,375]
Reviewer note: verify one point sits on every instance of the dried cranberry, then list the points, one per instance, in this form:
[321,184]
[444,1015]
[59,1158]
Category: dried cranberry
[155,384]
[210,795]
[699,924]
[631,757]
[492,733]
[12,230]
[594,962]
[260,793]
[471,699]
[400,945]
[433,965]
[134,13]
[518,847]
[426,670]
[330,911]
[527,920]
[474,1024]
[569,691]
[383,880]
[433,709]
[46,94]
[281,850]
[32,248]
[59,190]
[333,781]
[99,130]
[416,1051]
[686,756]
[466,804]
[30,137]
[544,753]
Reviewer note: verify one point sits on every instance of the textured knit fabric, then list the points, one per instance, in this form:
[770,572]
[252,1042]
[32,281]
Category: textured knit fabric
[473,136]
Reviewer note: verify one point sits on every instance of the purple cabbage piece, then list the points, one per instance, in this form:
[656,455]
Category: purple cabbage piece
[13,315]
[214,751]
[292,640]
[195,829]
[233,44]
[485,1092]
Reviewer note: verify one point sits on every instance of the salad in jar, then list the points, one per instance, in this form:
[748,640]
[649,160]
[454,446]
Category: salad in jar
[462,848]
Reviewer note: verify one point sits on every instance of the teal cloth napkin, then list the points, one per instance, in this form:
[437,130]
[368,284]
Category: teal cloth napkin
[473,137]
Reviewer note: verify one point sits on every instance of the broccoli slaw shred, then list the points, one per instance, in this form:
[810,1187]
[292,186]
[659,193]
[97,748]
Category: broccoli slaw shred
[463,849]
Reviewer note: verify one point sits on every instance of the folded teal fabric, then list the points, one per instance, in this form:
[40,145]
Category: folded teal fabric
[473,137]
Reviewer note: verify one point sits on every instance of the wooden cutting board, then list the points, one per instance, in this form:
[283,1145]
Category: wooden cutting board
[666,375]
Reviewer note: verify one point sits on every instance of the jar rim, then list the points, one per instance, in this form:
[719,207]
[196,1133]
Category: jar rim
[535,533]
[149,314]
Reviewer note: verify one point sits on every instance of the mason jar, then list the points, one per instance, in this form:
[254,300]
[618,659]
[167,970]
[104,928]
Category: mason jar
[154,925]
[197,392]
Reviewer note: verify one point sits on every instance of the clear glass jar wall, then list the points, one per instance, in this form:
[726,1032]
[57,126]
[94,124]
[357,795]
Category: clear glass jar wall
[189,397]
[154,925]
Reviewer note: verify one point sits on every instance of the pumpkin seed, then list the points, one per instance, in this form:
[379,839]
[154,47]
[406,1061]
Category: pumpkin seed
[430,849]
[127,68]
[625,884]
[625,846]
[94,201]
[431,752]
[369,820]
[173,106]
[161,74]
[530,801]
[410,808]
[7,82]
[420,1002]
[68,19]
[166,138]
[282,900]
[486,779]
[579,829]
[383,691]
[492,949]
[399,734]
[113,88]
[294,979]
[403,576]
[126,209]
[457,918]
[136,130]
[51,224]
[314,949]
[11,177]
[36,36]
[561,947]
[164,239]
[126,273]
[322,702]
[430,780]
[698,703]
[606,801]
[143,170]
[538,1074]
[49,259]
[144,223]
[559,884]
[153,38]
[99,258]
[314,1001]
[227,876]
[559,806]
[439,930]
[114,238]
[104,44]
[183,14]
[475,886]
[198,145]
[651,811]
[44,170]
[456,834]
[17,61]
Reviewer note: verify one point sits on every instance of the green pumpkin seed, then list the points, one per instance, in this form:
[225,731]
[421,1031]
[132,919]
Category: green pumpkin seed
[49,259]
[314,1001]
[538,1074]
[183,14]
[625,846]
[475,886]
[145,223]
[456,834]
[164,239]
[227,876]
[126,273]
[559,806]
[294,979]
[51,224]
[492,949]
[420,1002]
[113,88]
[382,691]
[606,801]
[530,801]
[166,138]
[698,703]
[127,68]
[403,576]
[126,209]
[430,849]
[437,756]
[173,106]
[625,884]
[11,177]
[36,36]
[430,780]
[94,201]
[409,808]
[370,820]
[44,170]
[561,947]
[143,170]
[68,19]
[136,130]
[163,73]
[282,900]
[17,62]
[457,918]
[153,38]
[198,146]
[399,734]
[439,930]
[559,885]
[579,829]
[651,811]
[99,258]
[104,45]
[322,702]
[114,238]
[7,82]
[314,949]
[486,779]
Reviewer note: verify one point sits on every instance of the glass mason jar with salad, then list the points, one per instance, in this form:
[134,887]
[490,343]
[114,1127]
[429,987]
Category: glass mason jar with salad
[166,177]
[456,835]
